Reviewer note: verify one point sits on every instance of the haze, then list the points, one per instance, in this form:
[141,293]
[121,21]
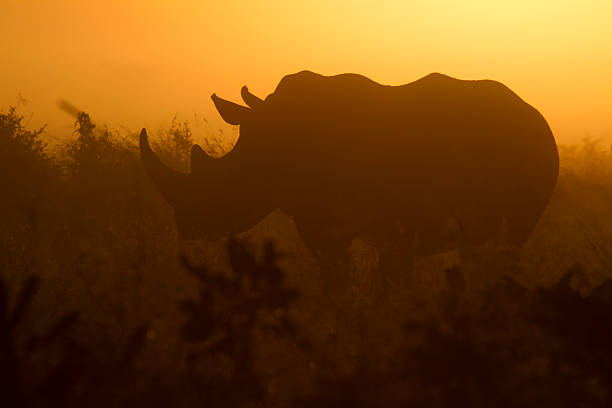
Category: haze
[139,63]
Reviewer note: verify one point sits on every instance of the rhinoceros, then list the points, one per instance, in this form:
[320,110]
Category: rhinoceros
[347,157]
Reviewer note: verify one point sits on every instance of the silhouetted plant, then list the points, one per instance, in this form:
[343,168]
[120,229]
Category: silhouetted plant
[24,380]
[175,145]
[580,322]
[14,135]
[93,151]
[231,311]
[510,345]
[27,179]
[53,368]
[507,346]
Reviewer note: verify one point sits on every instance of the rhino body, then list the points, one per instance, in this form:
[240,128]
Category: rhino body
[420,167]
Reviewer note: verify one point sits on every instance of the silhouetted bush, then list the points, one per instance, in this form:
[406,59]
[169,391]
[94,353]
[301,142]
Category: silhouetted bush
[175,145]
[53,368]
[232,311]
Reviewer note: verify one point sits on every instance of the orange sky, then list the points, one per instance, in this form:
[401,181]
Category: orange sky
[140,62]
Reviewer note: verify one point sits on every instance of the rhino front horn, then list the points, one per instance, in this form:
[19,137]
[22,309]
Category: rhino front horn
[231,112]
[168,181]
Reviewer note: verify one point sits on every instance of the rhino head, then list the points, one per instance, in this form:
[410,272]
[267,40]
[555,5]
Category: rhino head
[219,196]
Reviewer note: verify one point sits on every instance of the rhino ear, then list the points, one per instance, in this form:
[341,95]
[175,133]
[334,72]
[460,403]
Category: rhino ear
[199,160]
[231,112]
[250,99]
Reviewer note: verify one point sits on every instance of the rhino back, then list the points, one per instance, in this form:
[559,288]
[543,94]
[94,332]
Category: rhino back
[357,153]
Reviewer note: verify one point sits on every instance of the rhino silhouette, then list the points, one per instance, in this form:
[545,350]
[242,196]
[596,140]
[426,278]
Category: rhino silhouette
[396,166]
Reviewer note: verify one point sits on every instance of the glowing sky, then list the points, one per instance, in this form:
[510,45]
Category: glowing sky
[139,62]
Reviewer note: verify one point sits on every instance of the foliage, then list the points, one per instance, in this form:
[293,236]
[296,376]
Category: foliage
[588,161]
[54,368]
[175,145]
[232,311]
[14,136]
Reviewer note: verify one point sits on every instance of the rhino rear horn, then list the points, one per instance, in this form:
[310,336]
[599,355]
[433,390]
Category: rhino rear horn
[250,99]
[231,112]
[168,181]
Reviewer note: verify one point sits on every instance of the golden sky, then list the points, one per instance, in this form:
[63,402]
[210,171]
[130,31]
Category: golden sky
[140,62]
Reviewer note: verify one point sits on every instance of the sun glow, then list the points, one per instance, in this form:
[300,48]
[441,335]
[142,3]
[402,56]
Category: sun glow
[140,62]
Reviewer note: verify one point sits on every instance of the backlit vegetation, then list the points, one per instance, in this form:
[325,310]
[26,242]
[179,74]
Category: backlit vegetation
[102,304]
